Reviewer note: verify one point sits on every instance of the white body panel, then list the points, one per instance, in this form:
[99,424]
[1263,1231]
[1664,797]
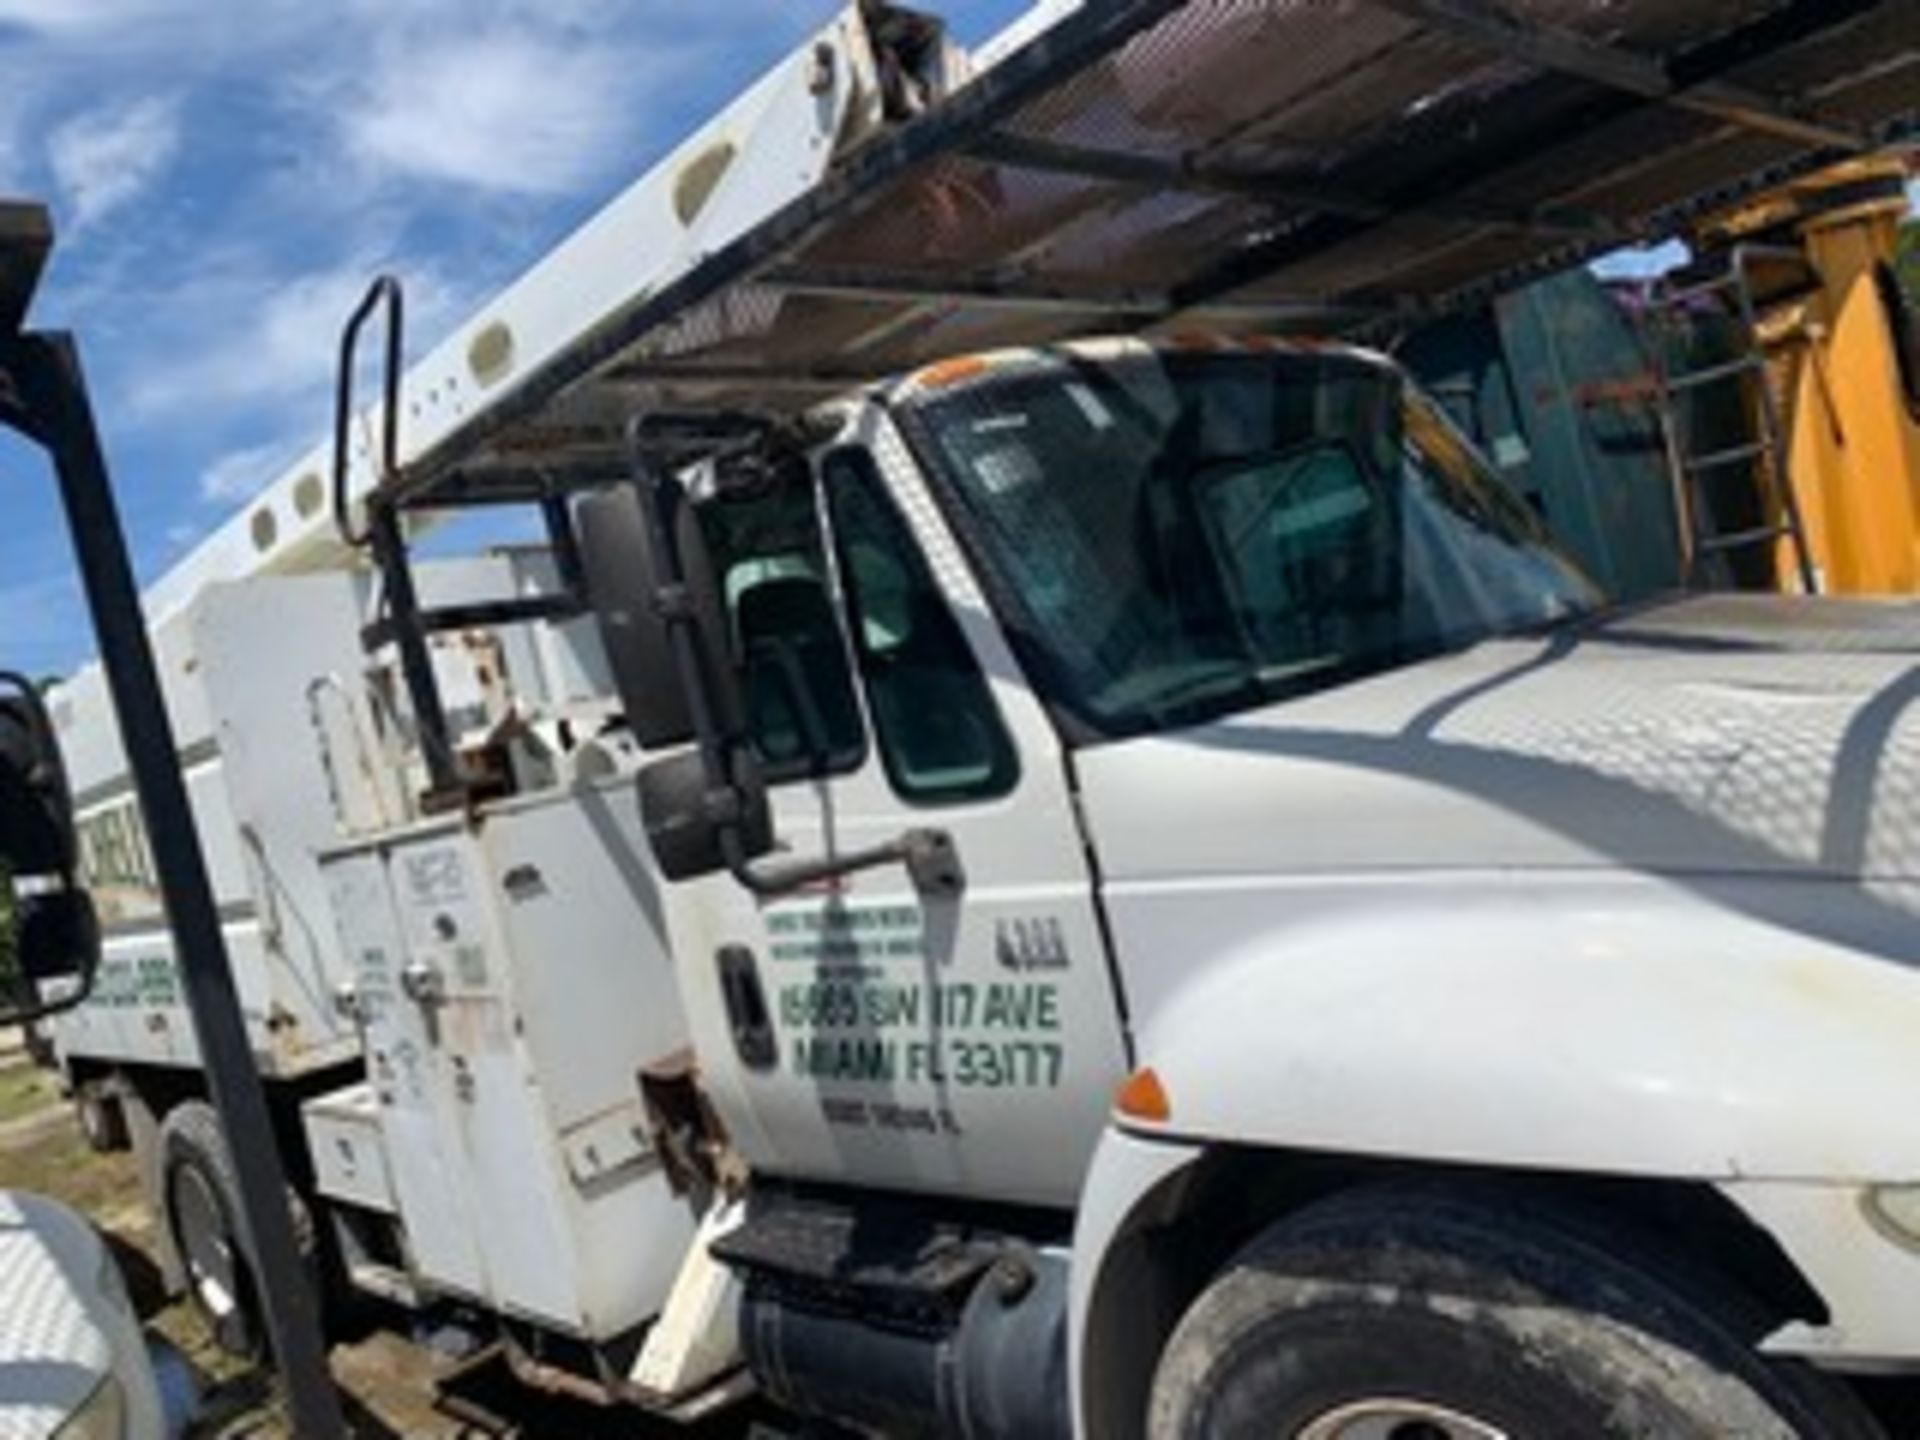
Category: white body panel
[510,1106]
[698,1336]
[1867,1277]
[349,1154]
[235,669]
[1582,1023]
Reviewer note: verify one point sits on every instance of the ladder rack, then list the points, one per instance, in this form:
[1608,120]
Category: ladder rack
[1123,165]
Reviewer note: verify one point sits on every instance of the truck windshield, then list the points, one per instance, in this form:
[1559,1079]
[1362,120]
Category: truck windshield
[1179,535]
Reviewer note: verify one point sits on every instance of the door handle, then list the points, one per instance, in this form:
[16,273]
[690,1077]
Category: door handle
[746,1003]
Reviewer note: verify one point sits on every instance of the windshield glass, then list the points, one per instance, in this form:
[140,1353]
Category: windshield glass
[1181,535]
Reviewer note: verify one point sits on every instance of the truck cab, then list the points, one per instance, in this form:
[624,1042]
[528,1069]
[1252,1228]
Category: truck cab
[1189,907]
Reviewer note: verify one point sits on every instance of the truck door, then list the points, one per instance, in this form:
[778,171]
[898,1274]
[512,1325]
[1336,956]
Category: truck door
[861,1029]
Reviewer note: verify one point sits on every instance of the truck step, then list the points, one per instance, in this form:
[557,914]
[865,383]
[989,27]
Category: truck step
[885,1257]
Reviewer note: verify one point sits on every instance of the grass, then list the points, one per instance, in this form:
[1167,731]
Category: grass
[24,1089]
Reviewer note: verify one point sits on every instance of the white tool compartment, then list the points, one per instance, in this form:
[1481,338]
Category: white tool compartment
[513,980]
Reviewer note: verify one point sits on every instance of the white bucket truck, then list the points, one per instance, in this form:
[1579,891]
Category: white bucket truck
[1117,888]
[1196,919]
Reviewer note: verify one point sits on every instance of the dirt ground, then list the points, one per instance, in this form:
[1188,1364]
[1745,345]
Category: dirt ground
[387,1382]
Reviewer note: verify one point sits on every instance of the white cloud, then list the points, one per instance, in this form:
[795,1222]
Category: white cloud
[104,158]
[510,110]
[274,343]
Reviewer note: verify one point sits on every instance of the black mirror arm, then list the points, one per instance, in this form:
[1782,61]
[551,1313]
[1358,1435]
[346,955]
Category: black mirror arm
[929,855]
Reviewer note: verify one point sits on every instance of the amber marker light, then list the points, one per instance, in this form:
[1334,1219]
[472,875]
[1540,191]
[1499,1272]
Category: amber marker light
[951,372]
[1142,1097]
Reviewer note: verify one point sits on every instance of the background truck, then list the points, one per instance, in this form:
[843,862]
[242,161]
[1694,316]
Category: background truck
[741,982]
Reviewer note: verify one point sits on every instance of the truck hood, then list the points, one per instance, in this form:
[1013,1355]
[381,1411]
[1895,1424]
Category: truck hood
[1723,735]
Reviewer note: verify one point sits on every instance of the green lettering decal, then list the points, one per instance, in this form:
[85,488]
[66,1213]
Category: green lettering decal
[860,1017]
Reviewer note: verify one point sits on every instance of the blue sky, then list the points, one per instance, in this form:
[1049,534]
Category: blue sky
[227,176]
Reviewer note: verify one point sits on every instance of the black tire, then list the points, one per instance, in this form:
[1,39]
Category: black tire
[203,1208]
[102,1118]
[1436,1315]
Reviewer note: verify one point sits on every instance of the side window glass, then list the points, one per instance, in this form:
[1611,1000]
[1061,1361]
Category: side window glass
[802,718]
[934,719]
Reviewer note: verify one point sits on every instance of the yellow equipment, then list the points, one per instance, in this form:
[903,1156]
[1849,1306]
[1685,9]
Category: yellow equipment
[1842,351]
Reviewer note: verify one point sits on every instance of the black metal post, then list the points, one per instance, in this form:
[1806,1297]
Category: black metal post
[52,406]
[416,659]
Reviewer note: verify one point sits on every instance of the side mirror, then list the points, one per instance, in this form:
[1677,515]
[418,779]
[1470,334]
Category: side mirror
[684,817]
[36,810]
[48,931]
[56,935]
[624,582]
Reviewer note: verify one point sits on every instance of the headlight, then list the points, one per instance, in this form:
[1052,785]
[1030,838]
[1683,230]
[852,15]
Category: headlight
[1895,1212]
[102,1417]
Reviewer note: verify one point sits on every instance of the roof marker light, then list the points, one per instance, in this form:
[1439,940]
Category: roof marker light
[951,372]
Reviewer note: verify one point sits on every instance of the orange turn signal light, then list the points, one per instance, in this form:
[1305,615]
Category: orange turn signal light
[1141,1096]
[951,372]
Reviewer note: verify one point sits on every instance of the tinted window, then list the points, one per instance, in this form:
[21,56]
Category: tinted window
[938,730]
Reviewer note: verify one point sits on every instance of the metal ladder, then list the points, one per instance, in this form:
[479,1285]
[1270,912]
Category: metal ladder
[1766,452]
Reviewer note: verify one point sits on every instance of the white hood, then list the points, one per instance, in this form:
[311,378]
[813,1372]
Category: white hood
[1729,735]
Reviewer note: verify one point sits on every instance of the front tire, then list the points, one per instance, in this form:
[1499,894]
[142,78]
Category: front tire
[1413,1314]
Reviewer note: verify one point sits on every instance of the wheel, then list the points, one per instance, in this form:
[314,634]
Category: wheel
[1417,1314]
[103,1121]
[203,1208]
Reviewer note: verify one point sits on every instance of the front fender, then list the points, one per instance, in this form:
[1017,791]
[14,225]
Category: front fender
[1628,1030]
